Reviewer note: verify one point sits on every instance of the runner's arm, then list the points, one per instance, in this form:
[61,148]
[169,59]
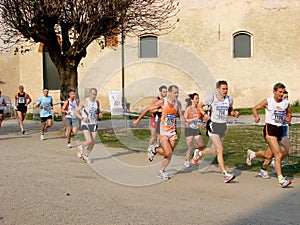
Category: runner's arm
[288,115]
[38,103]
[100,115]
[63,108]
[202,111]
[153,102]
[78,109]
[156,105]
[262,104]
[28,98]
[186,113]
[233,113]
[181,117]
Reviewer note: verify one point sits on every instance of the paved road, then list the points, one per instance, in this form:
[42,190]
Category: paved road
[44,183]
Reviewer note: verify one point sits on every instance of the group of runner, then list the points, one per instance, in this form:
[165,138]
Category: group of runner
[88,111]
[219,107]
[165,109]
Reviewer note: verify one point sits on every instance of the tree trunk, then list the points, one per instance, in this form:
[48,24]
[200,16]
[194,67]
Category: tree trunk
[67,80]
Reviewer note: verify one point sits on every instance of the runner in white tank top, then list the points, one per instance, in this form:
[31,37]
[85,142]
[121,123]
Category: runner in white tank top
[68,108]
[220,105]
[88,112]
[277,110]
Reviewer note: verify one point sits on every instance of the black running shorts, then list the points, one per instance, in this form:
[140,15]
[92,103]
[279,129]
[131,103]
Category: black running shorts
[272,130]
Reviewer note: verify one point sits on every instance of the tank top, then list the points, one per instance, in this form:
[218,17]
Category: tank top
[194,113]
[91,112]
[156,115]
[218,108]
[21,100]
[71,106]
[276,111]
[168,117]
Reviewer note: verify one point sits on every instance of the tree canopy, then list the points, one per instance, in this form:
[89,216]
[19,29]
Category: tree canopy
[68,27]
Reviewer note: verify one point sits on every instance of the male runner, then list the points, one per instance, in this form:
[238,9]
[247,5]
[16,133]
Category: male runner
[2,104]
[155,118]
[71,121]
[220,106]
[171,107]
[278,116]
[90,108]
[277,111]
[22,100]
[45,103]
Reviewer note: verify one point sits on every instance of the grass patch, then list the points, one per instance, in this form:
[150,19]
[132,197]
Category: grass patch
[236,142]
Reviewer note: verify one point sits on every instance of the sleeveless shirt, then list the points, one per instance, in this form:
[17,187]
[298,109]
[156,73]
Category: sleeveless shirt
[91,112]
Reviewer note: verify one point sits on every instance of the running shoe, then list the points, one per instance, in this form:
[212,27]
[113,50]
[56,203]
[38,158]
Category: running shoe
[187,163]
[228,177]
[250,156]
[151,152]
[162,175]
[22,131]
[42,137]
[69,145]
[80,151]
[284,182]
[86,159]
[197,156]
[263,174]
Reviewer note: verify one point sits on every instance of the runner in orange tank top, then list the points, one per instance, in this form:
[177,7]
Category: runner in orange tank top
[192,132]
[167,137]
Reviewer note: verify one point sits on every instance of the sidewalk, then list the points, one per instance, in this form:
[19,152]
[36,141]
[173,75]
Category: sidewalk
[43,182]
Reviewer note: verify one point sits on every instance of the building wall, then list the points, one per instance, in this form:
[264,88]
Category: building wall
[197,53]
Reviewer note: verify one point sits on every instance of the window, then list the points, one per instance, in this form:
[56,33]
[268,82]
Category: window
[241,45]
[50,73]
[148,47]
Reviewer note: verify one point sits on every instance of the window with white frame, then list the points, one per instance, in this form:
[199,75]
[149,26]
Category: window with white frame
[148,47]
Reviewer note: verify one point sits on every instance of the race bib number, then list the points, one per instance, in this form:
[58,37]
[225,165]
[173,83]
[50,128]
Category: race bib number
[22,100]
[72,107]
[93,116]
[46,107]
[170,120]
[279,116]
[196,122]
[222,112]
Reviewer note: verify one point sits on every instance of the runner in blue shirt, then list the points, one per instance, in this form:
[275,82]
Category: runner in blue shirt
[45,103]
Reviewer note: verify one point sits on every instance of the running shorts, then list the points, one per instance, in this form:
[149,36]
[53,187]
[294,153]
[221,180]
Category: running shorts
[72,122]
[284,131]
[22,108]
[153,123]
[90,127]
[44,119]
[191,132]
[171,136]
[216,128]
[272,130]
